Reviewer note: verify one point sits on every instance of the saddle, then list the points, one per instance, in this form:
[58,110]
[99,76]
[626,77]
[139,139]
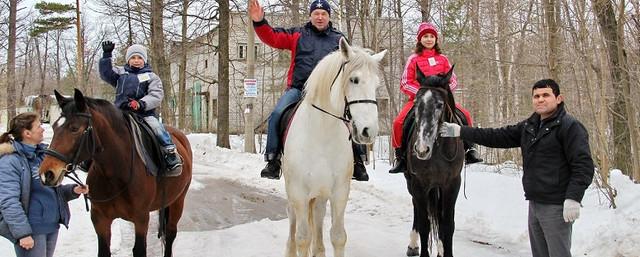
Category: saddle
[147,146]
[285,122]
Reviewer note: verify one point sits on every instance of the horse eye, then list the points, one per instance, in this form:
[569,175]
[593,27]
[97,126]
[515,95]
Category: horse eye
[354,80]
[75,129]
[439,105]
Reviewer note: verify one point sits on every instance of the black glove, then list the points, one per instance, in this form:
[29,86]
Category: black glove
[107,48]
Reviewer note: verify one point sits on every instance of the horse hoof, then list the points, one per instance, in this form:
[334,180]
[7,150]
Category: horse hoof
[411,251]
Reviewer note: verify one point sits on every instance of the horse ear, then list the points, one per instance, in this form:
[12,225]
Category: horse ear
[422,79]
[378,57]
[345,48]
[62,101]
[447,77]
[79,99]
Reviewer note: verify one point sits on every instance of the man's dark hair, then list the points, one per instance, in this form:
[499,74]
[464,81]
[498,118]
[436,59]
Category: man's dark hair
[547,83]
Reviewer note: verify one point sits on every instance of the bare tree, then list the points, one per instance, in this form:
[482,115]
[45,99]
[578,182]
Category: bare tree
[614,43]
[161,65]
[223,75]
[11,60]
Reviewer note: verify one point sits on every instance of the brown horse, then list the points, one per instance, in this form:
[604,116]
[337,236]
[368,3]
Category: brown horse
[120,186]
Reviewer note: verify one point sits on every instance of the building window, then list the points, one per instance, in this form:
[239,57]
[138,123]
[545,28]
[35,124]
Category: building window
[242,50]
[206,63]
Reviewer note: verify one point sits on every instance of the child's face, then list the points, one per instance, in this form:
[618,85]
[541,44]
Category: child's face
[136,61]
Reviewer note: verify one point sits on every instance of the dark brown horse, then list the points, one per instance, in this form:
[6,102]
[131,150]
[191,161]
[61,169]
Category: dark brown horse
[119,184]
[433,167]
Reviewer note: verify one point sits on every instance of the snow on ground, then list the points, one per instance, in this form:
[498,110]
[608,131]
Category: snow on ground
[490,220]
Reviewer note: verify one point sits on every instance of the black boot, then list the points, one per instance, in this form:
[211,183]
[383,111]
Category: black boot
[359,171]
[173,162]
[272,170]
[472,155]
[400,163]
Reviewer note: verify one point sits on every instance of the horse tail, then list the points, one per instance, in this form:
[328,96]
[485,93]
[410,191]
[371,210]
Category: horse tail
[434,212]
[163,220]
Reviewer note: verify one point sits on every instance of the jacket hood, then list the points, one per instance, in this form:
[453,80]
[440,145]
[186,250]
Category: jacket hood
[6,148]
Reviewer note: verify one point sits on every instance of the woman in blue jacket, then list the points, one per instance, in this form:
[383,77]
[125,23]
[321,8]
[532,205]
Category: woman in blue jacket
[30,213]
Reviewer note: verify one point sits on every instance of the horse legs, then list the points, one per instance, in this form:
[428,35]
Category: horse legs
[302,239]
[175,213]
[447,223]
[423,225]
[414,249]
[141,224]
[291,242]
[338,234]
[102,226]
[319,208]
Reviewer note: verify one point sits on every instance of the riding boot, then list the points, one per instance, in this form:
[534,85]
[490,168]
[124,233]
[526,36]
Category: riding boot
[400,163]
[359,155]
[272,170]
[173,162]
[85,165]
[471,155]
[359,170]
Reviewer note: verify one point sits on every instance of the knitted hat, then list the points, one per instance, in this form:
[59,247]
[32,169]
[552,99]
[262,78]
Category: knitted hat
[427,27]
[138,50]
[320,4]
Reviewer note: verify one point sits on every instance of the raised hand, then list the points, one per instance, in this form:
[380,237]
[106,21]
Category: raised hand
[108,46]
[255,11]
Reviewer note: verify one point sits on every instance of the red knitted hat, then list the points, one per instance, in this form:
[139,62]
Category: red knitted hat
[427,27]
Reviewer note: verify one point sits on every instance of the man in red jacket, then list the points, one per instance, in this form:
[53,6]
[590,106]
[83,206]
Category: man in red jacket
[308,45]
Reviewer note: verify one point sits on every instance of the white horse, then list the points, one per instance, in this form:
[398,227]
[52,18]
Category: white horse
[338,105]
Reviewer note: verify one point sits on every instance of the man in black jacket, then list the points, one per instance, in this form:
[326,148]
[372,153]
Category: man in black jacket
[557,166]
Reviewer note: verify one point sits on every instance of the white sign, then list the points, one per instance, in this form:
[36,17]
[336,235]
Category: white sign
[250,88]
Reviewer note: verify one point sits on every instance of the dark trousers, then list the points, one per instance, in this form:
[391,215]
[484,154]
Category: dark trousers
[549,235]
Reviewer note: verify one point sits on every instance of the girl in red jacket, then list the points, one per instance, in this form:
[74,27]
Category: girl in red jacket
[429,59]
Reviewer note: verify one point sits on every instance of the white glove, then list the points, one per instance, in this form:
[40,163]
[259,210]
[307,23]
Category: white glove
[449,130]
[571,210]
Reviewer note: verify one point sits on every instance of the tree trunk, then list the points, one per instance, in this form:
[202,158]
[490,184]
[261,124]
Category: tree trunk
[553,38]
[57,61]
[222,139]
[182,69]
[80,49]
[605,15]
[160,64]
[425,9]
[11,60]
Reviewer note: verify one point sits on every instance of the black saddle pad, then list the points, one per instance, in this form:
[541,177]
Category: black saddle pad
[149,142]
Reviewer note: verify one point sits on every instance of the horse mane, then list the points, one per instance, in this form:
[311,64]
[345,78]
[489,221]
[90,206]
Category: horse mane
[106,108]
[318,87]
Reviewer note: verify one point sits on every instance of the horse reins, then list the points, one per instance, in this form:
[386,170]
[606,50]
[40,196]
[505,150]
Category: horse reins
[346,115]
[72,163]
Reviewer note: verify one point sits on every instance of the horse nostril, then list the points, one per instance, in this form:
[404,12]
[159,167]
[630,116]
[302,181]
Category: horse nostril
[365,132]
[49,176]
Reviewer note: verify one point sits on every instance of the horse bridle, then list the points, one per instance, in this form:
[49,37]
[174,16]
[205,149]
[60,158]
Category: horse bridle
[442,118]
[72,163]
[346,115]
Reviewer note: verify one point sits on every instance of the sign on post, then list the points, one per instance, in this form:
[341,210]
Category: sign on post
[250,88]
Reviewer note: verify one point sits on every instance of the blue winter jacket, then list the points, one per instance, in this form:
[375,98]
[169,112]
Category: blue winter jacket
[19,207]
[133,83]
